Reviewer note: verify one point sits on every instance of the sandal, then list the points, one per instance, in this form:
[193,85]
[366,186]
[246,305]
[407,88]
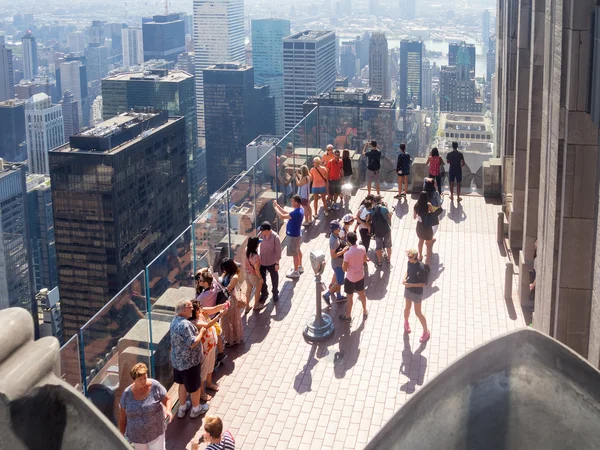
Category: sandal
[213,387]
[346,318]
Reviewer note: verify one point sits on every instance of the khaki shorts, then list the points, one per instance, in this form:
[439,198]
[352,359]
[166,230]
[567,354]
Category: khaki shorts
[293,245]
[372,175]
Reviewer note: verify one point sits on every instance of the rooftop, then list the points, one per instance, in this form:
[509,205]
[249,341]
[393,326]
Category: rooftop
[117,133]
[162,75]
[308,35]
[278,391]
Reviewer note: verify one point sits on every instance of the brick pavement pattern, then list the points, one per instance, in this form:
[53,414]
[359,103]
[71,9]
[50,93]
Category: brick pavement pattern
[279,392]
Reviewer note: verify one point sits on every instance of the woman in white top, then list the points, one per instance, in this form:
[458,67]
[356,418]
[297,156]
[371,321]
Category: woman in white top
[303,182]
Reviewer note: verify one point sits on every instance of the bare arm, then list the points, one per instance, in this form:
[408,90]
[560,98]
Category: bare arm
[344,266]
[214,309]
[199,337]
[166,401]
[122,420]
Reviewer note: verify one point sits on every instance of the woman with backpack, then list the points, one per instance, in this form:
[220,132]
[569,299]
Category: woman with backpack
[403,171]
[436,165]
[426,219]
[380,218]
[414,282]
[363,222]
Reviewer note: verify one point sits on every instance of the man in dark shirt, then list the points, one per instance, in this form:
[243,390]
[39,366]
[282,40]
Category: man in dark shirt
[456,160]
[373,165]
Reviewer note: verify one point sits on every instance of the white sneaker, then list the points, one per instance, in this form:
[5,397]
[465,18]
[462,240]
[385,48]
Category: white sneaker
[183,409]
[301,270]
[202,409]
[293,274]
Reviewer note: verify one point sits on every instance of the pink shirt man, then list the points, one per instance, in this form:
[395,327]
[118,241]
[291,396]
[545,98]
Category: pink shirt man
[355,258]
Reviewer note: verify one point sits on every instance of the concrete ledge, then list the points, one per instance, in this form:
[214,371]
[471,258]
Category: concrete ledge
[492,177]
[37,408]
[418,171]
[524,390]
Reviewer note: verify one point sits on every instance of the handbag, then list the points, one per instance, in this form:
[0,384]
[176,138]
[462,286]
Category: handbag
[430,220]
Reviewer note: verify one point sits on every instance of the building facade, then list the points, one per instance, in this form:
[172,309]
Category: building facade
[267,59]
[164,37]
[70,112]
[379,72]
[30,56]
[485,27]
[455,47]
[159,90]
[411,74]
[236,113]
[427,85]
[309,69]
[119,195]
[133,46]
[458,89]
[547,138]
[72,75]
[15,281]
[76,42]
[7,75]
[97,61]
[13,145]
[45,131]
[214,47]
[348,60]
[40,227]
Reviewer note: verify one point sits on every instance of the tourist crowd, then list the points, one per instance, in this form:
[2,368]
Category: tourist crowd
[204,326]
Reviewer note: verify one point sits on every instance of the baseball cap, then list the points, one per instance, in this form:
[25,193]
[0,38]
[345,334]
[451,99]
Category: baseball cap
[266,225]
[348,218]
[334,225]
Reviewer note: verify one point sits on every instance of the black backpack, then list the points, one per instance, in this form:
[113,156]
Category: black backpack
[379,223]
[374,163]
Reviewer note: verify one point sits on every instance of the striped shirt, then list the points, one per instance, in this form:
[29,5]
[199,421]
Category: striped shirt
[227,443]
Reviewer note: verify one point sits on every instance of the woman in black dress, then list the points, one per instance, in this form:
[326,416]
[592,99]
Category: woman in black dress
[422,212]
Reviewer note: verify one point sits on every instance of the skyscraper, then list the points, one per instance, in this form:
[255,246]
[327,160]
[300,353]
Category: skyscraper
[40,226]
[308,69]
[348,60]
[30,57]
[160,90]
[114,32]
[236,113]
[427,85]
[45,131]
[72,74]
[133,46]
[379,72]
[111,221]
[408,9]
[454,48]
[411,69]
[95,32]
[164,37]
[70,112]
[485,27]
[15,281]
[13,145]
[267,57]
[76,42]
[491,59]
[97,61]
[218,38]
[458,91]
[7,76]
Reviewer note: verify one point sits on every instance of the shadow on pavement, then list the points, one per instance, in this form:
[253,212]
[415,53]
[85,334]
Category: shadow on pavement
[414,365]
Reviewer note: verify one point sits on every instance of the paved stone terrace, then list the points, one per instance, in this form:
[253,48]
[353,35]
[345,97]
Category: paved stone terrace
[280,392]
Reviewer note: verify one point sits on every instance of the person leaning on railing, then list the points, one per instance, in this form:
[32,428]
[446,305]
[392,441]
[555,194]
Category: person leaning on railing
[143,408]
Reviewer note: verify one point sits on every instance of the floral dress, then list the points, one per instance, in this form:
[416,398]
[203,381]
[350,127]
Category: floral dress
[231,322]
